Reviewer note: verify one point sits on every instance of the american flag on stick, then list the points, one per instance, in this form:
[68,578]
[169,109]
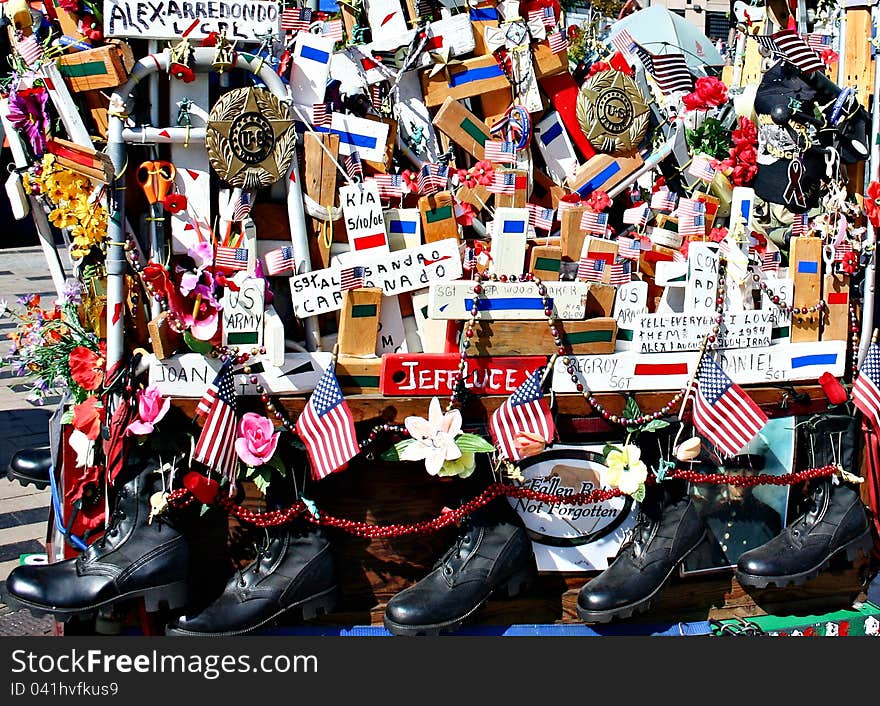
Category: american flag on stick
[620,272]
[791,47]
[242,208]
[558,42]
[332,29]
[354,167]
[545,15]
[433,177]
[591,269]
[230,259]
[351,278]
[801,224]
[637,215]
[629,248]
[499,151]
[670,71]
[390,185]
[502,183]
[29,49]
[296,19]
[663,200]
[691,217]
[841,249]
[702,169]
[865,392]
[279,261]
[326,427]
[541,217]
[322,116]
[525,411]
[623,42]
[594,223]
[770,261]
[216,445]
[723,412]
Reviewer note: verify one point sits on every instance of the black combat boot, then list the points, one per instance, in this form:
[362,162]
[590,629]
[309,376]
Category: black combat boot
[31,467]
[666,531]
[835,524]
[492,552]
[135,558]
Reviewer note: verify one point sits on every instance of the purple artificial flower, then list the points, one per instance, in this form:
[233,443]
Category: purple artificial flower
[27,112]
[71,292]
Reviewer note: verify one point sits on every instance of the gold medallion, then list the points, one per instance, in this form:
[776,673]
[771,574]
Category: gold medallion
[612,112]
[250,138]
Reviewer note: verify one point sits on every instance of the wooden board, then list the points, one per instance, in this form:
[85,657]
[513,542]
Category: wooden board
[242,314]
[520,195]
[836,324]
[359,321]
[858,64]
[556,148]
[571,235]
[548,63]
[665,333]
[404,227]
[472,77]
[806,271]
[462,127]
[545,261]
[164,340]
[358,376]
[94,69]
[428,375]
[383,165]
[438,217]
[482,16]
[362,214]
[508,301]
[320,184]
[603,172]
[592,336]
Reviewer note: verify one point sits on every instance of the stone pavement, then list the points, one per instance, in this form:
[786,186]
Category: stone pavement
[24,511]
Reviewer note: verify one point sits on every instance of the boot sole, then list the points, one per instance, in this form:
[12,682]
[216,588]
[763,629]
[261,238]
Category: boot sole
[172,596]
[309,609]
[862,543]
[518,583]
[25,481]
[627,611]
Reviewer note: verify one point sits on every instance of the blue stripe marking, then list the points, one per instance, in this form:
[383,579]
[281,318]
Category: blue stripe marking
[745,208]
[808,267]
[514,227]
[483,14]
[599,179]
[803,361]
[526,303]
[402,226]
[321,57]
[479,74]
[351,138]
[554,131]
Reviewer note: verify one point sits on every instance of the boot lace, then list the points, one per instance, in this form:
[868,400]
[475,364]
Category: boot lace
[467,526]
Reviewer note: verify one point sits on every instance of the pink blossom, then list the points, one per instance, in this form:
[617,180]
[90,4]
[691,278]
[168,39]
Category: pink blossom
[152,408]
[257,439]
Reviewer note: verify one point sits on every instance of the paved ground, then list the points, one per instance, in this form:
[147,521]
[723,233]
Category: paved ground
[24,511]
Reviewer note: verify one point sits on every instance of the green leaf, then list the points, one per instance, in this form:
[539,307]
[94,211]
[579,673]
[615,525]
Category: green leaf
[632,408]
[262,479]
[67,417]
[204,509]
[609,448]
[393,454]
[639,495]
[655,425]
[276,463]
[249,472]
[472,443]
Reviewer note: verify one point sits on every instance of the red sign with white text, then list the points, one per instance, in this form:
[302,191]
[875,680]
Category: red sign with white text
[426,375]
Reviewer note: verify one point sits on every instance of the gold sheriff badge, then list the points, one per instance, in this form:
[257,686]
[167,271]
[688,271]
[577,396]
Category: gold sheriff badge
[250,138]
[612,112]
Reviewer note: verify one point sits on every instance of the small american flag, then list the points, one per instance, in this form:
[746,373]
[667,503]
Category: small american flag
[817,41]
[242,208]
[541,217]
[702,169]
[470,258]
[230,259]
[591,269]
[351,278]
[629,248]
[841,249]
[637,215]
[865,393]
[663,200]
[526,410]
[216,445]
[354,167]
[499,151]
[723,412]
[390,185]
[279,261]
[801,224]
[321,115]
[790,46]
[326,427]
[558,42]
[594,223]
[545,15]
[670,71]
[332,29]
[376,96]
[432,177]
[29,49]
[620,272]
[296,19]
[770,261]
[623,42]
[502,183]
[691,217]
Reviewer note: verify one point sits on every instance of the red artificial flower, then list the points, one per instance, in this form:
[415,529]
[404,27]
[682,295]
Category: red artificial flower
[90,28]
[174,203]
[598,201]
[692,101]
[872,203]
[598,67]
[182,72]
[834,391]
[711,90]
[760,241]
[746,133]
[411,179]
[716,235]
[465,178]
[210,39]
[571,198]
[88,417]
[464,214]
[204,489]
[829,56]
[743,174]
[658,184]
[573,31]
[156,275]
[850,263]
[86,367]
[484,172]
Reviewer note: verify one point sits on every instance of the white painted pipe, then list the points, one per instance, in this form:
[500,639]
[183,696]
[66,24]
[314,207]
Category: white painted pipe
[164,135]
[650,163]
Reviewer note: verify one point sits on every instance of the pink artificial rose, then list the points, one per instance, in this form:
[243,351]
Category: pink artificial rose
[257,439]
[152,408]
[529,444]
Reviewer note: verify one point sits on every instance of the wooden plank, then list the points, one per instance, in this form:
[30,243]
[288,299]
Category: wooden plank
[82,160]
[273,336]
[547,63]
[702,283]
[836,324]
[404,227]
[806,271]
[98,103]
[482,16]
[665,333]
[556,148]
[382,165]
[544,191]
[358,376]
[320,184]
[462,127]
[859,64]
[438,217]
[94,69]
[164,340]
[784,289]
[369,138]
[508,301]
[359,321]
[508,241]
[472,77]
[494,104]
[525,338]
[570,233]
[545,262]
[520,195]
[310,68]
[603,172]
[427,375]
[630,301]
[600,249]
[432,332]
[600,299]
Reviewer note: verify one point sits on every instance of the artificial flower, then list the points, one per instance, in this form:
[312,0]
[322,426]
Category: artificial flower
[199,311]
[203,489]
[829,56]
[87,367]
[462,467]
[174,203]
[27,112]
[872,203]
[433,439]
[598,67]
[83,448]
[625,470]
[528,444]
[747,132]
[257,439]
[598,201]
[692,101]
[69,5]
[152,408]
[483,172]
[91,28]
[717,234]
[850,263]
[711,90]
[464,213]
[88,417]
[202,254]
[182,72]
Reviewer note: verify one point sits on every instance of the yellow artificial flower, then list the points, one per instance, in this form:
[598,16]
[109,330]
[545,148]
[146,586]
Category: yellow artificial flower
[625,469]
[463,466]
[61,217]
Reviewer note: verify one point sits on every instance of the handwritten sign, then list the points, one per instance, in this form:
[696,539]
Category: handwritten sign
[190,374]
[425,375]
[242,20]
[784,289]
[702,283]
[670,371]
[630,302]
[664,333]
[320,292]
[243,313]
[508,300]
[362,211]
